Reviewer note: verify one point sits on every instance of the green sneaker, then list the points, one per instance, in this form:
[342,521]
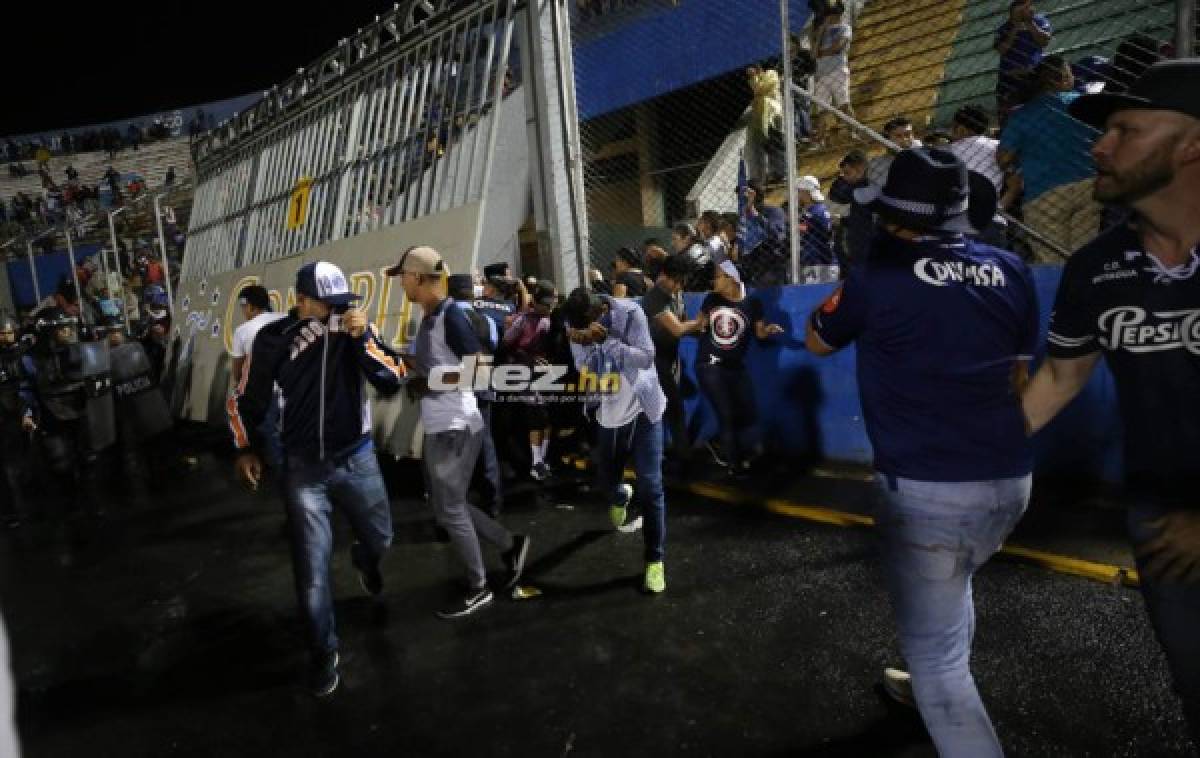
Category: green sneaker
[656,578]
[616,512]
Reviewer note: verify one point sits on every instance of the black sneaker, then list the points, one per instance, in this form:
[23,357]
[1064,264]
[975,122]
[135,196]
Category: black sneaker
[514,558]
[474,600]
[323,674]
[540,472]
[369,575]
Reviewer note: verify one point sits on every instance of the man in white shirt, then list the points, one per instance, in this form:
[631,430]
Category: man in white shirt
[832,84]
[256,310]
[972,145]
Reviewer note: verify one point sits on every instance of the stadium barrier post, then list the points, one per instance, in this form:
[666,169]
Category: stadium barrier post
[162,246]
[789,138]
[112,235]
[75,273]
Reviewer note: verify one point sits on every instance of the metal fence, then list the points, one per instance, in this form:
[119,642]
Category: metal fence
[392,125]
[701,135]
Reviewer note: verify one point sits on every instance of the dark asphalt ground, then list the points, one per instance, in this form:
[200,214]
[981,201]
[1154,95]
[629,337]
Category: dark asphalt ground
[175,634]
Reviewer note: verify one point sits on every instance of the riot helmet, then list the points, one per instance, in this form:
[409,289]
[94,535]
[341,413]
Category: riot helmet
[56,327]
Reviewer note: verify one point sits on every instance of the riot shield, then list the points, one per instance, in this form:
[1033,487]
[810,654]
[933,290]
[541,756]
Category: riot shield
[139,400]
[95,369]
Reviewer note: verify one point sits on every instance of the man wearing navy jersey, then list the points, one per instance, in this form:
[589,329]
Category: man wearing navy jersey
[943,327]
[1133,295]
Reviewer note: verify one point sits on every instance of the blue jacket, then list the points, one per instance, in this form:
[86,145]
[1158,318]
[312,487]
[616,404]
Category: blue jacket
[320,370]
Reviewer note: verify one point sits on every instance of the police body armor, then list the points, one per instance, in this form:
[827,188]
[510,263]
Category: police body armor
[139,401]
[74,383]
[11,406]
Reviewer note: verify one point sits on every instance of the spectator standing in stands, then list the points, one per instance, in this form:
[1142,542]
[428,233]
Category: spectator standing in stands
[453,430]
[628,279]
[900,131]
[832,87]
[1052,152]
[610,335]
[765,158]
[764,234]
[730,319]
[1020,42]
[978,151]
[938,357]
[1131,295]
[816,226]
[663,306]
[859,222]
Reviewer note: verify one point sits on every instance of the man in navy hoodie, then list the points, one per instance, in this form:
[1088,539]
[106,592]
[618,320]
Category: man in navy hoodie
[318,355]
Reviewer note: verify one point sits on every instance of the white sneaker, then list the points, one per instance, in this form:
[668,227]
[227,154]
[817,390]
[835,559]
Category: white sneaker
[898,686]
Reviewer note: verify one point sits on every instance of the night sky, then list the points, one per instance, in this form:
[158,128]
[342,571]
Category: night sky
[74,65]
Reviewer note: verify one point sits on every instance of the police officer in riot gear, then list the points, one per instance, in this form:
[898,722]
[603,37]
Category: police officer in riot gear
[141,410]
[155,327]
[74,397]
[16,421]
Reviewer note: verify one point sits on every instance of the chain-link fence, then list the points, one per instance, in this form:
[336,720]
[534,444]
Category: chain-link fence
[688,131]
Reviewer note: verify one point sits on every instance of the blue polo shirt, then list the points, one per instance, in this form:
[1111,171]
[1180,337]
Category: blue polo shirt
[939,324]
[1051,146]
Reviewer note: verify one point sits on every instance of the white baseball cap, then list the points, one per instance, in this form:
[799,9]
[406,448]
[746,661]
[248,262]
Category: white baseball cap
[813,187]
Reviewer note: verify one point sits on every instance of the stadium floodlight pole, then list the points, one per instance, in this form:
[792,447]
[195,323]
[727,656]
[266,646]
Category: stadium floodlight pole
[789,138]
[1185,28]
[162,246]
[112,235]
[855,124]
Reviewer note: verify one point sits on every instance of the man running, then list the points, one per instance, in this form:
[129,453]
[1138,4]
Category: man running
[318,357]
[943,326]
[1133,296]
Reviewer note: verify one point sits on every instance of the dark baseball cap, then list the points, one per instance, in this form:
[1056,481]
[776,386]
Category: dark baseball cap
[325,282]
[1166,86]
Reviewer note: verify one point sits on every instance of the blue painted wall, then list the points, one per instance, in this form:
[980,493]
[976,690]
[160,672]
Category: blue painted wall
[809,406]
[688,44]
[50,268]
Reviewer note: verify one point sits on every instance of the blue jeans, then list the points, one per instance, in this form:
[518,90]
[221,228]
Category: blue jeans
[641,440]
[935,536]
[311,490]
[1174,610]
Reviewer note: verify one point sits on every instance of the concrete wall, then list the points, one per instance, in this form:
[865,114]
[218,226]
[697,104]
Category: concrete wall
[809,406]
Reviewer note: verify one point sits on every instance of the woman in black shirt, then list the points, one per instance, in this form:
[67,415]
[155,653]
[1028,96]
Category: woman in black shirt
[731,318]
